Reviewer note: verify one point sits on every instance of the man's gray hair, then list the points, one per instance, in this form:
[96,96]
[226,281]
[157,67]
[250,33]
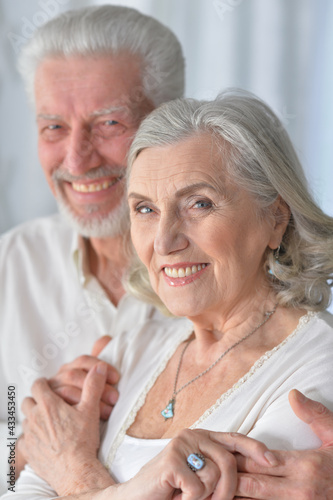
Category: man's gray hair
[259,157]
[109,30]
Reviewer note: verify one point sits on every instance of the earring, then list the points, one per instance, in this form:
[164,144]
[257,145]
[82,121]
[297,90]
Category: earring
[276,252]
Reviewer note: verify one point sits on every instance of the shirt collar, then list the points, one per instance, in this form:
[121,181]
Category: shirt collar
[79,254]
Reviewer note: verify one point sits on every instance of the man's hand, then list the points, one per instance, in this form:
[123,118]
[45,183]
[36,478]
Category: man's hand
[66,436]
[68,382]
[300,475]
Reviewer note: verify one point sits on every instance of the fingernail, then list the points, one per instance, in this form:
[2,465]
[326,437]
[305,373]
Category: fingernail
[102,368]
[271,458]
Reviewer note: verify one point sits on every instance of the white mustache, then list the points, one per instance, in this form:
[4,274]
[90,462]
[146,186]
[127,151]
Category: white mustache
[97,173]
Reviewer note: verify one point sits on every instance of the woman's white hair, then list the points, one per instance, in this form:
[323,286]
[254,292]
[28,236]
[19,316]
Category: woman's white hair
[109,30]
[260,158]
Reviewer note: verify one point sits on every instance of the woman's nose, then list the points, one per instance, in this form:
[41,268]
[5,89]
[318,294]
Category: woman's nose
[170,237]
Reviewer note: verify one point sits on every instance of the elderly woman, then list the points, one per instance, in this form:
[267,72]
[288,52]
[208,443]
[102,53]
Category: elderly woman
[227,235]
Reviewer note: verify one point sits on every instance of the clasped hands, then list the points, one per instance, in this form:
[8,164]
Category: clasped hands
[68,382]
[67,435]
[62,424]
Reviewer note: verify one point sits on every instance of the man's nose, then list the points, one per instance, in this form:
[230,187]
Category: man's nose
[170,236]
[81,153]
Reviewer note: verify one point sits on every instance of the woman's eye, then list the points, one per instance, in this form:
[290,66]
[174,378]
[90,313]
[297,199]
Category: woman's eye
[144,210]
[203,204]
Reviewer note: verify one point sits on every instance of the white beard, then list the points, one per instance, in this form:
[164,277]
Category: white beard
[109,225]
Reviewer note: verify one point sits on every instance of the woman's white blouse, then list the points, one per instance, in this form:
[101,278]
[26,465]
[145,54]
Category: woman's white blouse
[257,405]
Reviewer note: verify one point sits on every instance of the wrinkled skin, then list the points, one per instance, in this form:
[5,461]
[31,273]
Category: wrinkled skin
[290,474]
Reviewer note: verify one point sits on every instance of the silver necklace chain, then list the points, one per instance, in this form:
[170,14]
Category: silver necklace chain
[168,412]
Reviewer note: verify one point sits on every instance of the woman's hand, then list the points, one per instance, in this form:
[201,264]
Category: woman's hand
[60,441]
[167,476]
[300,474]
[68,382]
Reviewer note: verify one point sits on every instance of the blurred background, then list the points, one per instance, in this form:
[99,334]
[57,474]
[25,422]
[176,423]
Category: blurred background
[282,50]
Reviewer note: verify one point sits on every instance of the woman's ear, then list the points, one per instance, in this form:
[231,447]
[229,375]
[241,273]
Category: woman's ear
[281,216]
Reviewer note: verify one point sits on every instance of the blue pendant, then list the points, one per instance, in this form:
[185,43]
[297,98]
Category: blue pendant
[168,410]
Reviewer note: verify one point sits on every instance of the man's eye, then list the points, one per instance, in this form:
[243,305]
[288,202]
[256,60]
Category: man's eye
[109,128]
[53,127]
[108,123]
[144,210]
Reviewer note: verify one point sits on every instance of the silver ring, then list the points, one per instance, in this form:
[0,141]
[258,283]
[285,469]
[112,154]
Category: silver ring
[196,461]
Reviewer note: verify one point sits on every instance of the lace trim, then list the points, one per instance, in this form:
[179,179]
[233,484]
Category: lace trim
[304,320]
[140,401]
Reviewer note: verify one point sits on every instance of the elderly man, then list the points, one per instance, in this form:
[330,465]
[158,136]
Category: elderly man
[96,73]
[92,75]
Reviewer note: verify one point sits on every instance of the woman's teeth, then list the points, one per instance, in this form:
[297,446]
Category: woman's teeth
[93,187]
[182,272]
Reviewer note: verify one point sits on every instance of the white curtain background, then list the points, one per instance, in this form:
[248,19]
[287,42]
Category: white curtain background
[282,50]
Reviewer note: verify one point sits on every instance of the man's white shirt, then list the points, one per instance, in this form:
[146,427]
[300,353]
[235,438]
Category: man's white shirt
[51,311]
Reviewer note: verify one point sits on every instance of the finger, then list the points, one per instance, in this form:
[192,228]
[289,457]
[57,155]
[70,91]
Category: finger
[71,373]
[83,362]
[286,460]
[234,442]
[73,377]
[110,395]
[41,392]
[201,440]
[72,396]
[188,483]
[100,344]
[259,486]
[209,475]
[104,411]
[27,405]
[314,414]
[93,386]
[219,475]
[226,463]
[71,391]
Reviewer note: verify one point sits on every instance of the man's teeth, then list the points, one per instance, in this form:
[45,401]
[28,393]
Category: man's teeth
[92,188]
[182,272]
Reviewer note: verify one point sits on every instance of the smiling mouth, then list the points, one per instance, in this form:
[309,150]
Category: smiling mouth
[94,186]
[183,272]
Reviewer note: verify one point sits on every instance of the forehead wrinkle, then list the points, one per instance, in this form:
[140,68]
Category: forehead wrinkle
[110,110]
[45,116]
[94,114]
[206,171]
[215,183]
[140,196]
[192,188]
